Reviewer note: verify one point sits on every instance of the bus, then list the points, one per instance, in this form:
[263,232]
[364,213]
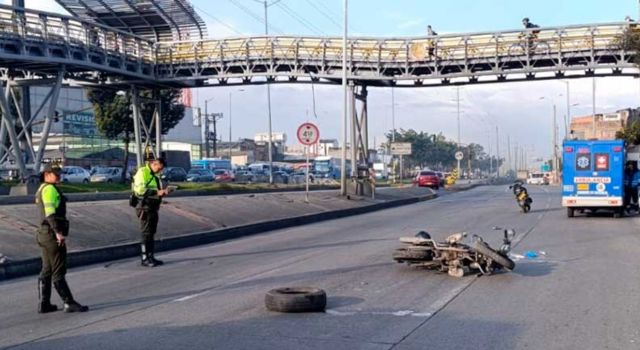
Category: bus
[326,167]
[211,164]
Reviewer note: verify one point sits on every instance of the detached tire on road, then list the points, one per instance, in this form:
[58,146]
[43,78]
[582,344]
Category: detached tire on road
[296,299]
[482,248]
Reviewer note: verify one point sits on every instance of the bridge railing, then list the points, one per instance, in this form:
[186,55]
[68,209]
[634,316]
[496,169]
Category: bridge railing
[505,45]
[47,28]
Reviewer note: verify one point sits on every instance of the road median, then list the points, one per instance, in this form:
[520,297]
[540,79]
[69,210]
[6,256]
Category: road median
[288,210]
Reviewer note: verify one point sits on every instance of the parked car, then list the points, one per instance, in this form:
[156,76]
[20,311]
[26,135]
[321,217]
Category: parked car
[427,179]
[175,174]
[245,176]
[200,175]
[280,177]
[75,174]
[222,175]
[108,175]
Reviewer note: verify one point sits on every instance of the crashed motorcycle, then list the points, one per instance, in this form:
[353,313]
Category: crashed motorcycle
[454,256]
[522,197]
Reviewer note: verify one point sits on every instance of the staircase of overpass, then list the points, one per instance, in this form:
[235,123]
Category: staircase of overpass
[39,48]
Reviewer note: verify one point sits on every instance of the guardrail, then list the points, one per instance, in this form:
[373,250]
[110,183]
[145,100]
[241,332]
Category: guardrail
[66,34]
[396,58]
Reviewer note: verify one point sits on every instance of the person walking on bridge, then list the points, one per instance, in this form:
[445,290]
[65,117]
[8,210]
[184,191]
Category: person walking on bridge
[147,189]
[51,237]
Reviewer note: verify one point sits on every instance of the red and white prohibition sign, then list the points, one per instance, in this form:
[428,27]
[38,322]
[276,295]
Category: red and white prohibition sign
[308,134]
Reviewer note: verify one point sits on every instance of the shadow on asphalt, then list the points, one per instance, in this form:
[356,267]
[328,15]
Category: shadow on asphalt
[317,331]
[338,301]
[534,268]
[297,248]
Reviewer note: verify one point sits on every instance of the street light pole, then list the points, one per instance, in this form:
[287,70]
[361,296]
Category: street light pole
[593,105]
[343,163]
[270,137]
[458,114]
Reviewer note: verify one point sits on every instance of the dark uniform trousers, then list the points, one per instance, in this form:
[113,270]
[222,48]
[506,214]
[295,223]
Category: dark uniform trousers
[54,256]
[148,224]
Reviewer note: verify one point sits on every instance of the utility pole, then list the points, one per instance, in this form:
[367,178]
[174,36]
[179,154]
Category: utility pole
[568,118]
[593,105]
[497,152]
[490,157]
[393,129]
[509,152]
[343,163]
[458,113]
[270,137]
[555,147]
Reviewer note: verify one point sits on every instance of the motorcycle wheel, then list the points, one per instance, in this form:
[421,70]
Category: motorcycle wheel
[402,254]
[482,248]
[526,208]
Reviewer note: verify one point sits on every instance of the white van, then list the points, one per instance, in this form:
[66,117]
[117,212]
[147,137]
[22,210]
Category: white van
[536,179]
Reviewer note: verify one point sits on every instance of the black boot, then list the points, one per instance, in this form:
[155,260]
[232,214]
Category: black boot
[44,295]
[151,249]
[70,305]
[146,257]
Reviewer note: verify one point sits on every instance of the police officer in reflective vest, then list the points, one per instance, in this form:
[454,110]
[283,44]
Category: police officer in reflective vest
[146,187]
[51,237]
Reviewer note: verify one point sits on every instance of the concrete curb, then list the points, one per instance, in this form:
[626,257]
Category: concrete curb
[32,266]
[112,196]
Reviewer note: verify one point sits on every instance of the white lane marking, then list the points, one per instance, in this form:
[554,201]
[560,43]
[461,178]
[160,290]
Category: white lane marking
[400,313]
[190,297]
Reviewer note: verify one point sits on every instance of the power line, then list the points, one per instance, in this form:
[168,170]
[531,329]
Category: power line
[252,14]
[300,19]
[322,12]
[218,20]
[334,15]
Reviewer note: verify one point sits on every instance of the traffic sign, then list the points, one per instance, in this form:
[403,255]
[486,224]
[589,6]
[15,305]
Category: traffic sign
[308,134]
[459,155]
[401,148]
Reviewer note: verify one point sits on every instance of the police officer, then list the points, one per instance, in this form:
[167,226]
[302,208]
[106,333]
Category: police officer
[51,237]
[146,186]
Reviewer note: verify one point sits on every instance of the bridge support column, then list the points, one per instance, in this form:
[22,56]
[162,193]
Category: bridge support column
[361,182]
[144,126]
[16,124]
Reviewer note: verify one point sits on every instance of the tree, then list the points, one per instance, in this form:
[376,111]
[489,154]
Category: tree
[630,134]
[114,118]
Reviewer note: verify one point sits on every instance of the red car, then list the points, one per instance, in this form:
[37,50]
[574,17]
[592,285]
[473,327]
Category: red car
[223,176]
[428,179]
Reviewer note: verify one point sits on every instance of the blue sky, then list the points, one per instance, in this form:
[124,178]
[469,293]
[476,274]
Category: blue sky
[409,17]
[509,106]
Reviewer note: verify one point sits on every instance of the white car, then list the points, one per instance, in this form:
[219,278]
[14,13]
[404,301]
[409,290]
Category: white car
[536,179]
[75,174]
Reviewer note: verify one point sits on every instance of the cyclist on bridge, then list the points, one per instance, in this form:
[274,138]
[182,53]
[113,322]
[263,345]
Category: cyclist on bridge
[532,34]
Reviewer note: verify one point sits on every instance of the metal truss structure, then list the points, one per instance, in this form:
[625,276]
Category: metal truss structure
[117,46]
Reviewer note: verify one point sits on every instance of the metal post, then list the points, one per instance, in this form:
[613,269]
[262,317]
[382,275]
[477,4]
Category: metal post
[206,130]
[354,142]
[345,112]
[568,118]
[555,147]
[266,32]
[306,194]
[509,152]
[458,113]
[230,126]
[215,135]
[401,168]
[393,127]
[593,104]
[497,152]
[158,125]
[135,107]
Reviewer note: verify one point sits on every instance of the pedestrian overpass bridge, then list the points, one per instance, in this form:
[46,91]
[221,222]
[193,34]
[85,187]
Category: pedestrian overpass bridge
[40,48]
[41,43]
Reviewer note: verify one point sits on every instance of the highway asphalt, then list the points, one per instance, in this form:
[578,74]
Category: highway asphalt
[581,292]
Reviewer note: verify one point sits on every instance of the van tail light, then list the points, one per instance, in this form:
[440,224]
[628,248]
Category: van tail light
[568,149]
[617,149]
